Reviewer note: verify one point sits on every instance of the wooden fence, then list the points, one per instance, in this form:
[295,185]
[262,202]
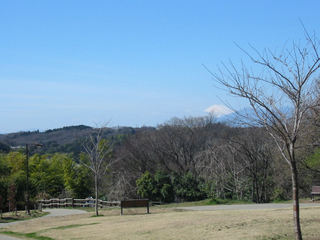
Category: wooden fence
[73,202]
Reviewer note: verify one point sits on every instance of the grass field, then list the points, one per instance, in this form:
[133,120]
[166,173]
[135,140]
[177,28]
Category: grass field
[21,215]
[167,223]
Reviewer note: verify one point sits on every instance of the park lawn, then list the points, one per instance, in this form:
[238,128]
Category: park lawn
[170,224]
[20,215]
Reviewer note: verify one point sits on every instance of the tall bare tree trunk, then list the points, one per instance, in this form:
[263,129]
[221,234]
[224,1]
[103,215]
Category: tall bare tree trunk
[295,197]
[290,78]
[96,191]
[98,151]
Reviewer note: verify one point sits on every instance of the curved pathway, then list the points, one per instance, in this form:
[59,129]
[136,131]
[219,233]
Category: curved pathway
[53,212]
[56,212]
[5,237]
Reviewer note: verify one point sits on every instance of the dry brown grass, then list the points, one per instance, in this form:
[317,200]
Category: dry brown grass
[20,215]
[165,224]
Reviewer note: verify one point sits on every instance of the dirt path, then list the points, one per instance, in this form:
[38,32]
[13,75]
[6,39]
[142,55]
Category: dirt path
[53,212]
[5,237]
[248,206]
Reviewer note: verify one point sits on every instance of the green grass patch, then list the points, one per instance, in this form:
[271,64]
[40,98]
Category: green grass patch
[217,201]
[32,235]
[100,215]
[69,226]
[281,201]
[301,200]
[205,202]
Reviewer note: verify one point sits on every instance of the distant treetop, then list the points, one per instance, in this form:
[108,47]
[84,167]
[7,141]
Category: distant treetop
[78,127]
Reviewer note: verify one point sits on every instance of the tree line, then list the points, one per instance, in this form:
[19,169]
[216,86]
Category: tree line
[214,159]
[50,175]
[181,160]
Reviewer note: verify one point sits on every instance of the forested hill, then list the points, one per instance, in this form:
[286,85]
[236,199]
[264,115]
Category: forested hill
[60,135]
[66,139]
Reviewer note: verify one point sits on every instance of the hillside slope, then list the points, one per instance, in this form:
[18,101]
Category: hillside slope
[67,139]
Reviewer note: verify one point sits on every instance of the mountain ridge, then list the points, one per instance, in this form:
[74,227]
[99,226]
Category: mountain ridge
[67,139]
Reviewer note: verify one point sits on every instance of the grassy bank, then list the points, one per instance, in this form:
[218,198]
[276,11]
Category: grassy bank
[219,201]
[205,202]
[20,216]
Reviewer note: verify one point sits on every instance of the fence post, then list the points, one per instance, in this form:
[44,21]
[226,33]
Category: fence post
[72,202]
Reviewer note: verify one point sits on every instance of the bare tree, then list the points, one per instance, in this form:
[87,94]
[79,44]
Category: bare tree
[98,151]
[219,163]
[255,153]
[281,96]
[179,140]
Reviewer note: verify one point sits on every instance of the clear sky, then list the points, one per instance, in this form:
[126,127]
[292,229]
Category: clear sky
[129,62]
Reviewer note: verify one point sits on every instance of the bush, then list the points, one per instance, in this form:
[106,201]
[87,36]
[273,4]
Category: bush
[279,195]
[164,189]
[167,188]
[146,186]
[189,188]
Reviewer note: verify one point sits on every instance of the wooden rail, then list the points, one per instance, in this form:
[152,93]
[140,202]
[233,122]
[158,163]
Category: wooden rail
[73,202]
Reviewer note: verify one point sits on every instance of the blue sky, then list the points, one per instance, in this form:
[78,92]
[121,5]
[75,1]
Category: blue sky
[132,62]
